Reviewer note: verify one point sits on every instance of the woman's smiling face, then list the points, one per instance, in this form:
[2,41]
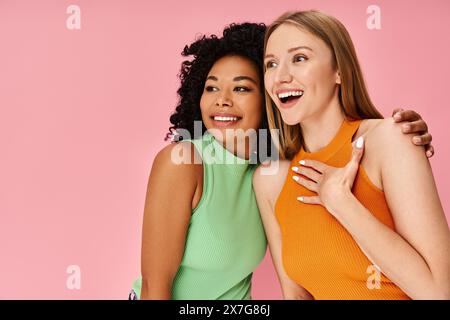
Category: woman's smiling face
[232,97]
[300,76]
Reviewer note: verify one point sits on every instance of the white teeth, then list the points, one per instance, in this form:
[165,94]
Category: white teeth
[290,93]
[218,118]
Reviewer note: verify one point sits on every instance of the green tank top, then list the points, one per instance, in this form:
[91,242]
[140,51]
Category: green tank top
[225,240]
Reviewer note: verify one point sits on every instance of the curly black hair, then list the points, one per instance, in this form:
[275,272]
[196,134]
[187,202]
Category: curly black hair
[246,40]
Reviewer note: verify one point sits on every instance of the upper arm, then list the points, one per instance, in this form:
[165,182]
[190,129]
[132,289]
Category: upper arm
[166,217]
[267,189]
[413,199]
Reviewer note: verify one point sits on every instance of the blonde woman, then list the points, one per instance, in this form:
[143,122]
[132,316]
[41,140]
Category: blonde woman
[353,212]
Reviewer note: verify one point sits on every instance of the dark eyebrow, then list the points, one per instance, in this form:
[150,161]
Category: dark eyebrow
[289,50]
[239,78]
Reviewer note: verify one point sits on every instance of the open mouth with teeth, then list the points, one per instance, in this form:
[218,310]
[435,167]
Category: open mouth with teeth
[225,120]
[290,97]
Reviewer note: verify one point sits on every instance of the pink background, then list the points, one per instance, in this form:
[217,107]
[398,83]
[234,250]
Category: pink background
[83,112]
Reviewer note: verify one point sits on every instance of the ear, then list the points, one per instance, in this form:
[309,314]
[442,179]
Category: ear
[338,77]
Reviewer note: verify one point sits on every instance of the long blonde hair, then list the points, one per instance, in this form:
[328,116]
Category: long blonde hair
[353,95]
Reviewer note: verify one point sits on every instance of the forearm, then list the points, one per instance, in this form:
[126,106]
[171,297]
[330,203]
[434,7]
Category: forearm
[397,259]
[155,290]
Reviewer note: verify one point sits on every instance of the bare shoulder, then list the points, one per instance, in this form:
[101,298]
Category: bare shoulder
[270,176]
[380,134]
[269,179]
[388,135]
[183,152]
[178,160]
[387,143]
[367,126]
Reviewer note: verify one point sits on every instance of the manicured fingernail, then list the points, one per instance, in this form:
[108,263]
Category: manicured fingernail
[406,127]
[416,140]
[300,199]
[302,162]
[295,169]
[295,178]
[397,116]
[429,154]
[360,142]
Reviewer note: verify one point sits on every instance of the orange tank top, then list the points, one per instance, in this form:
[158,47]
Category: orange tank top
[318,253]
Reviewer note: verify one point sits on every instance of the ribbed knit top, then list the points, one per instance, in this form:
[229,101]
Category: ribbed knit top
[317,251]
[225,240]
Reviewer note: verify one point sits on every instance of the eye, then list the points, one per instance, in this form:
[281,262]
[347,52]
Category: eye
[300,58]
[242,89]
[211,89]
[270,64]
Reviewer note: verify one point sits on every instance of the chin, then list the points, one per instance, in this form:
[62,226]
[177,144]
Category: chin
[291,119]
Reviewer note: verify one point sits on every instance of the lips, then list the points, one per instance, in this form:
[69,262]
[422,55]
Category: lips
[225,119]
[288,97]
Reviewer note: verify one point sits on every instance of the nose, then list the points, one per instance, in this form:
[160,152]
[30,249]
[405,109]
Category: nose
[223,100]
[283,74]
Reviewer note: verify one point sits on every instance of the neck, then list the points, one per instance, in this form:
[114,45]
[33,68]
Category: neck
[240,148]
[319,130]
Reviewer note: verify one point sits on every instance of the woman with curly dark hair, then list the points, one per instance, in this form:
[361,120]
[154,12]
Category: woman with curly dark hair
[202,232]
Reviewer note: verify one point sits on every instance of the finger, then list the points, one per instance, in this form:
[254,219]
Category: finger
[396,110]
[407,115]
[358,150]
[308,184]
[308,172]
[316,165]
[310,200]
[357,153]
[418,126]
[430,151]
[422,140]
